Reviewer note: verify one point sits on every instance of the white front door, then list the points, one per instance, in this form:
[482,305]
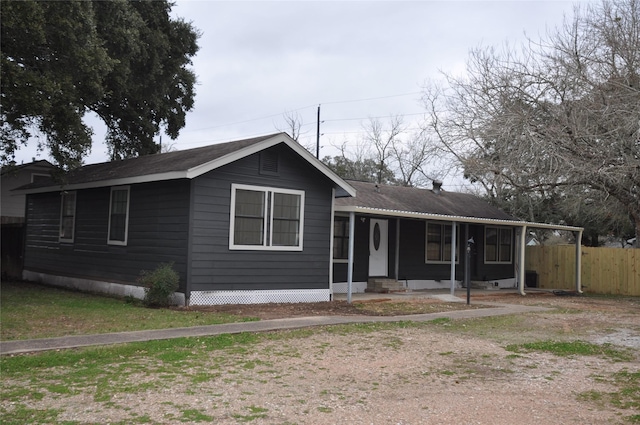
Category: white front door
[378,248]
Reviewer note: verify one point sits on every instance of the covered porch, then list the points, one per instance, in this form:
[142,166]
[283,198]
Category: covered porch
[423,251]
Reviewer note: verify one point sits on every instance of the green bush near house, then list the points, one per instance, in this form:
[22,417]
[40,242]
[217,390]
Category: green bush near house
[159,285]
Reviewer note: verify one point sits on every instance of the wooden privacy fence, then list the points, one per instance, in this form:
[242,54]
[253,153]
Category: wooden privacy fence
[604,270]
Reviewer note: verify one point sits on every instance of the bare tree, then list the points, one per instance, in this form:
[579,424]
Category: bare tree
[293,125]
[360,154]
[559,116]
[359,163]
[381,139]
[411,159]
[387,154]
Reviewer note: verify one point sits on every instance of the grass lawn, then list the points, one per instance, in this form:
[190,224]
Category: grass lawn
[35,311]
[32,311]
[196,380]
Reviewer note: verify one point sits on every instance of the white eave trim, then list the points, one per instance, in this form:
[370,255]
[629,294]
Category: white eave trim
[107,183]
[206,167]
[450,218]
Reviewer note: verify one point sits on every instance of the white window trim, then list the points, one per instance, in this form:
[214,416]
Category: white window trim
[498,247]
[266,244]
[75,208]
[126,220]
[33,175]
[426,243]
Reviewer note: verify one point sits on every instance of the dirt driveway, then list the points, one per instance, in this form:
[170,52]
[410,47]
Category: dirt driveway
[446,372]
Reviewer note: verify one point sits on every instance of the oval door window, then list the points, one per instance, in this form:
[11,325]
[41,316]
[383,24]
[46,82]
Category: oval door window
[376,236]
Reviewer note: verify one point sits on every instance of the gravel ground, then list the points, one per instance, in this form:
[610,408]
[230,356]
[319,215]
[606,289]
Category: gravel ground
[422,375]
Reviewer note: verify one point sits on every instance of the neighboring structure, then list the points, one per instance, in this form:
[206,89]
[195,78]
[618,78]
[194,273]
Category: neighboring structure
[12,208]
[13,176]
[409,238]
[243,222]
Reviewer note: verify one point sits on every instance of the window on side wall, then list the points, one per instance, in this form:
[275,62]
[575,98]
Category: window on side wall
[67,216]
[498,245]
[439,243]
[341,238]
[264,218]
[118,216]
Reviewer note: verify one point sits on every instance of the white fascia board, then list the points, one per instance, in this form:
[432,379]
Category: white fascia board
[453,218]
[320,166]
[201,169]
[107,183]
[529,224]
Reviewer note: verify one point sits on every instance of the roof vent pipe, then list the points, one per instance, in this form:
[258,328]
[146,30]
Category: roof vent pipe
[437,187]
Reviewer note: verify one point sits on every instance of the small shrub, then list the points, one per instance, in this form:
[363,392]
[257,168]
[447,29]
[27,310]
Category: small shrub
[159,285]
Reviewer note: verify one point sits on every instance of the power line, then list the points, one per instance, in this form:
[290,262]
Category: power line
[370,98]
[248,120]
[363,131]
[303,108]
[218,140]
[327,133]
[382,116]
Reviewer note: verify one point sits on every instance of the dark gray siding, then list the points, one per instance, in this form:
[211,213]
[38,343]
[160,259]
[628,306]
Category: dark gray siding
[158,228]
[488,271]
[412,255]
[215,267]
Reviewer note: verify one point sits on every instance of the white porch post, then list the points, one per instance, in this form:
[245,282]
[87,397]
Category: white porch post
[454,243]
[578,236]
[352,220]
[397,256]
[521,259]
[331,235]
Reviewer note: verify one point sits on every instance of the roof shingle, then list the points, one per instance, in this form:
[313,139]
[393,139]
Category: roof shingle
[151,164]
[414,200]
[159,163]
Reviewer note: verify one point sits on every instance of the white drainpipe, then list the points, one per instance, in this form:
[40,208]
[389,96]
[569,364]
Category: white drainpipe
[579,261]
[352,221]
[454,248]
[521,271]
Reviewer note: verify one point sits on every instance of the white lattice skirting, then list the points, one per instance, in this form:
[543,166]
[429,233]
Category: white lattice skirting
[259,297]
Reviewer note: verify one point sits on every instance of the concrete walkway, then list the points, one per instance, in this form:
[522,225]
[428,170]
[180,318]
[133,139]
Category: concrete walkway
[67,342]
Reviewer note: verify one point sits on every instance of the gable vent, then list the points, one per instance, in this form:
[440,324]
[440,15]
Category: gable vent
[269,162]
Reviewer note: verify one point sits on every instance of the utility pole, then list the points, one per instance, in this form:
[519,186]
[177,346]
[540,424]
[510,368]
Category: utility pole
[318,135]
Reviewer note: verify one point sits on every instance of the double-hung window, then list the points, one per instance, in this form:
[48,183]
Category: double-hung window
[67,216]
[498,243]
[266,218]
[118,216]
[439,243]
[341,238]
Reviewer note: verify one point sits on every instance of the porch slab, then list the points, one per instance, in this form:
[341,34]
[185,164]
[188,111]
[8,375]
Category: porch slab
[447,298]
[443,295]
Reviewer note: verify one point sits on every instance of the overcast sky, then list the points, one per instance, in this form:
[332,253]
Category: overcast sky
[357,59]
